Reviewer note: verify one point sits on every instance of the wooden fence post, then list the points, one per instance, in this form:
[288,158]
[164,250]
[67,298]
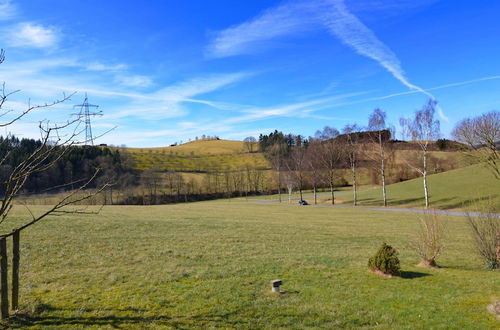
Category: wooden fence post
[15,270]
[4,298]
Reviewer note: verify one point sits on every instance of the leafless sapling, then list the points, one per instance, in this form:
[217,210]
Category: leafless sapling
[423,129]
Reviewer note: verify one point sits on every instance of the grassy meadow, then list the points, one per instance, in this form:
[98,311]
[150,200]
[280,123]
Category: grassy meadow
[208,265]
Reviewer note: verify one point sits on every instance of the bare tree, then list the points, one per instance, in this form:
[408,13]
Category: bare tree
[379,131]
[290,184]
[313,165]
[424,129]
[351,134]
[331,156]
[428,242]
[250,143]
[482,136]
[56,140]
[151,180]
[296,166]
[277,154]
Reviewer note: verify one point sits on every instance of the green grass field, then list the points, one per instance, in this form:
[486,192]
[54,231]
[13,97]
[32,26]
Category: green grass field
[447,190]
[209,265]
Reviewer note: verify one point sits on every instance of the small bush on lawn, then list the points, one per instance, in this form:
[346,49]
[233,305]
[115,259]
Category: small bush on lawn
[385,260]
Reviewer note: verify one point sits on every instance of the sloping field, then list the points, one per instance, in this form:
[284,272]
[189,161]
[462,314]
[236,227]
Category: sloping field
[198,156]
[447,190]
[209,264]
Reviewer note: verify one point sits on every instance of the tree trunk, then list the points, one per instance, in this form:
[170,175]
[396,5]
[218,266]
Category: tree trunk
[279,184]
[382,169]
[4,294]
[426,191]
[332,191]
[355,197]
[384,192]
[315,195]
[15,271]
[290,195]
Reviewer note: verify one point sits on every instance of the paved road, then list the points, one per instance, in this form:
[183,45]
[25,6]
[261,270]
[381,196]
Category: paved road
[385,209]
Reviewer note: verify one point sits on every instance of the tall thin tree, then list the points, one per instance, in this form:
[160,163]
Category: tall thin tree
[424,129]
[380,134]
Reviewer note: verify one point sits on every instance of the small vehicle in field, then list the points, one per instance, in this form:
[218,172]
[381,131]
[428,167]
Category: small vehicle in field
[303,202]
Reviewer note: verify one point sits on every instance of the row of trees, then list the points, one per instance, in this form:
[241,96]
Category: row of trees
[322,158]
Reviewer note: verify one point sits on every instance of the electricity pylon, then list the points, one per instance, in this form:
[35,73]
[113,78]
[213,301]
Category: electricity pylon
[85,112]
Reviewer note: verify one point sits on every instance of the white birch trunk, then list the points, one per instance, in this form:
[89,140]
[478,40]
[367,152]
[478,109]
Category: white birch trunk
[426,191]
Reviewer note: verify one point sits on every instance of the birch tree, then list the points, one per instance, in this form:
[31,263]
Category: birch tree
[424,129]
[377,125]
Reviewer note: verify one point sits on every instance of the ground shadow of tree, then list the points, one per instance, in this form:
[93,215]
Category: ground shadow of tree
[117,318]
[412,275]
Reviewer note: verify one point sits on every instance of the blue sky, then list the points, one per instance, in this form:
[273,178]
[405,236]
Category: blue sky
[166,71]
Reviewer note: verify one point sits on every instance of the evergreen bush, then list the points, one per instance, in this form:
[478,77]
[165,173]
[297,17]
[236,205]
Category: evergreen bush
[385,260]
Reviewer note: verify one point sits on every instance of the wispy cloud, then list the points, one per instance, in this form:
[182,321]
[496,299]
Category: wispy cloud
[297,110]
[7,10]
[249,36]
[134,81]
[352,32]
[388,96]
[291,18]
[99,66]
[168,101]
[31,35]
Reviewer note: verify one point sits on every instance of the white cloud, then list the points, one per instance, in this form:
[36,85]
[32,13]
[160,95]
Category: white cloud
[98,66]
[134,80]
[168,101]
[31,35]
[296,110]
[249,36]
[7,10]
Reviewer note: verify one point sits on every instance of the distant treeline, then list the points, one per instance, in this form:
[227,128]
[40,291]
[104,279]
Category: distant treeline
[69,166]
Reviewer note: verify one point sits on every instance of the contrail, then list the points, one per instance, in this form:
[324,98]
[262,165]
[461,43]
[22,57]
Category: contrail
[352,32]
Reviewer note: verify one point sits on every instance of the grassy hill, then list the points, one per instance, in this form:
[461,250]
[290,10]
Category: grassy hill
[198,156]
[447,190]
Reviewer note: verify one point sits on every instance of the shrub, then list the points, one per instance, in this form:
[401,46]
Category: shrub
[429,240]
[385,260]
[485,231]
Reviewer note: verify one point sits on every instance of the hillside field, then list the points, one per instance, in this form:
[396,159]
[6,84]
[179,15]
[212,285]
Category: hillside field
[213,155]
[197,156]
[448,190]
[209,264]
